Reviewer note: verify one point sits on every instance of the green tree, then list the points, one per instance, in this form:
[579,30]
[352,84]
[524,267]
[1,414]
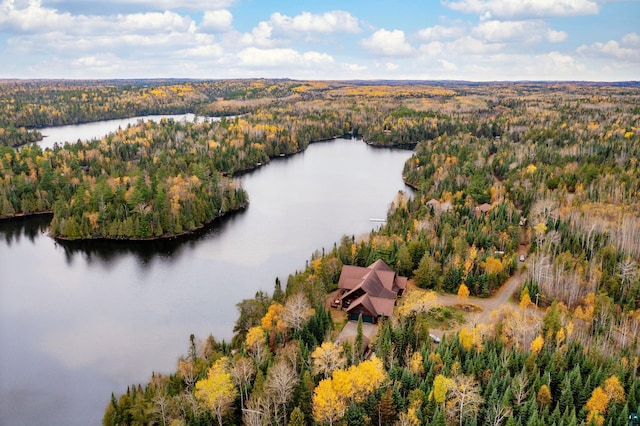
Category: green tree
[297,417]
[428,272]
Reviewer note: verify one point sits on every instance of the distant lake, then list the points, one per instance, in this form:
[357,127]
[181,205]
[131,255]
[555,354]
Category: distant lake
[97,129]
[82,321]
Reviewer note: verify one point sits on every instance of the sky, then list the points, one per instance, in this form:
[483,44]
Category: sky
[476,40]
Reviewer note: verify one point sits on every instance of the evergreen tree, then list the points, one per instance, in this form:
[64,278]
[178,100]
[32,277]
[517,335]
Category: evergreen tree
[359,344]
[297,417]
[386,409]
[278,294]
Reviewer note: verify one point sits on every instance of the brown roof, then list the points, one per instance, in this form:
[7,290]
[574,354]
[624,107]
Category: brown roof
[378,284]
[375,305]
[401,283]
[484,207]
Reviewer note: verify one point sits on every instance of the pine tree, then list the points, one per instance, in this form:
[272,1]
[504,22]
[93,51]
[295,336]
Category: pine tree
[386,409]
[297,417]
[303,394]
[359,347]
[278,294]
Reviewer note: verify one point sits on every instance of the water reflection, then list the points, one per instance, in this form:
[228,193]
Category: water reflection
[79,320]
[107,252]
[12,230]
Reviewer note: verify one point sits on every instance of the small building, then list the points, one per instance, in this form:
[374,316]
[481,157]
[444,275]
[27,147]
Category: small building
[484,208]
[433,203]
[369,292]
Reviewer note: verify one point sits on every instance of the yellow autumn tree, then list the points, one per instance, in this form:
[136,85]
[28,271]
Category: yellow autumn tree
[597,406]
[416,364]
[544,396]
[441,386]
[410,418]
[601,397]
[466,338]
[326,358]
[370,375]
[332,396]
[328,405]
[470,337]
[343,383]
[525,299]
[274,324]
[256,341]
[417,301]
[537,344]
[560,337]
[614,390]
[492,265]
[272,319]
[463,294]
[217,392]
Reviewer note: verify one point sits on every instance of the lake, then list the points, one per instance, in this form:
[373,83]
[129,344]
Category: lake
[97,129]
[80,321]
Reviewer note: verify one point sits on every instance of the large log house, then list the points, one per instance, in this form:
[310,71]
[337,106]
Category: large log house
[370,292]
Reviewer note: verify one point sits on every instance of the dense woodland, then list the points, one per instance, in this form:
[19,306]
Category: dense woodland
[550,167]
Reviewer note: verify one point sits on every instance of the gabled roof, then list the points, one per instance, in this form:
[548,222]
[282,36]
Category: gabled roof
[375,305]
[365,302]
[484,207]
[379,265]
[400,283]
[376,287]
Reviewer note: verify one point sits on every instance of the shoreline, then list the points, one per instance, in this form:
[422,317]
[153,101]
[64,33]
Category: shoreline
[167,237]
[237,173]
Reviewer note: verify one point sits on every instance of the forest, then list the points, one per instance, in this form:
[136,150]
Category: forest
[551,168]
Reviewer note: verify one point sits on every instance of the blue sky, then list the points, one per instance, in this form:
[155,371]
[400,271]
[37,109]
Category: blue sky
[478,40]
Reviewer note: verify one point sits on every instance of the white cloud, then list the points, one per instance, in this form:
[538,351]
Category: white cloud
[126,44]
[178,4]
[353,67]
[448,66]
[335,21]
[162,4]
[626,50]
[92,61]
[469,45]
[154,21]
[312,58]
[50,38]
[281,30]
[524,8]
[554,36]
[388,43]
[530,31]
[259,36]
[203,51]
[631,40]
[433,49]
[31,17]
[216,20]
[438,32]
[254,57]
[555,65]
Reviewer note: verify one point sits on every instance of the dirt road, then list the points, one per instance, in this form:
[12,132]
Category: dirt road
[486,305]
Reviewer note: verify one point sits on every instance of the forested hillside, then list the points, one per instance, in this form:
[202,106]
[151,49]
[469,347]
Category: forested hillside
[552,169]
[498,169]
